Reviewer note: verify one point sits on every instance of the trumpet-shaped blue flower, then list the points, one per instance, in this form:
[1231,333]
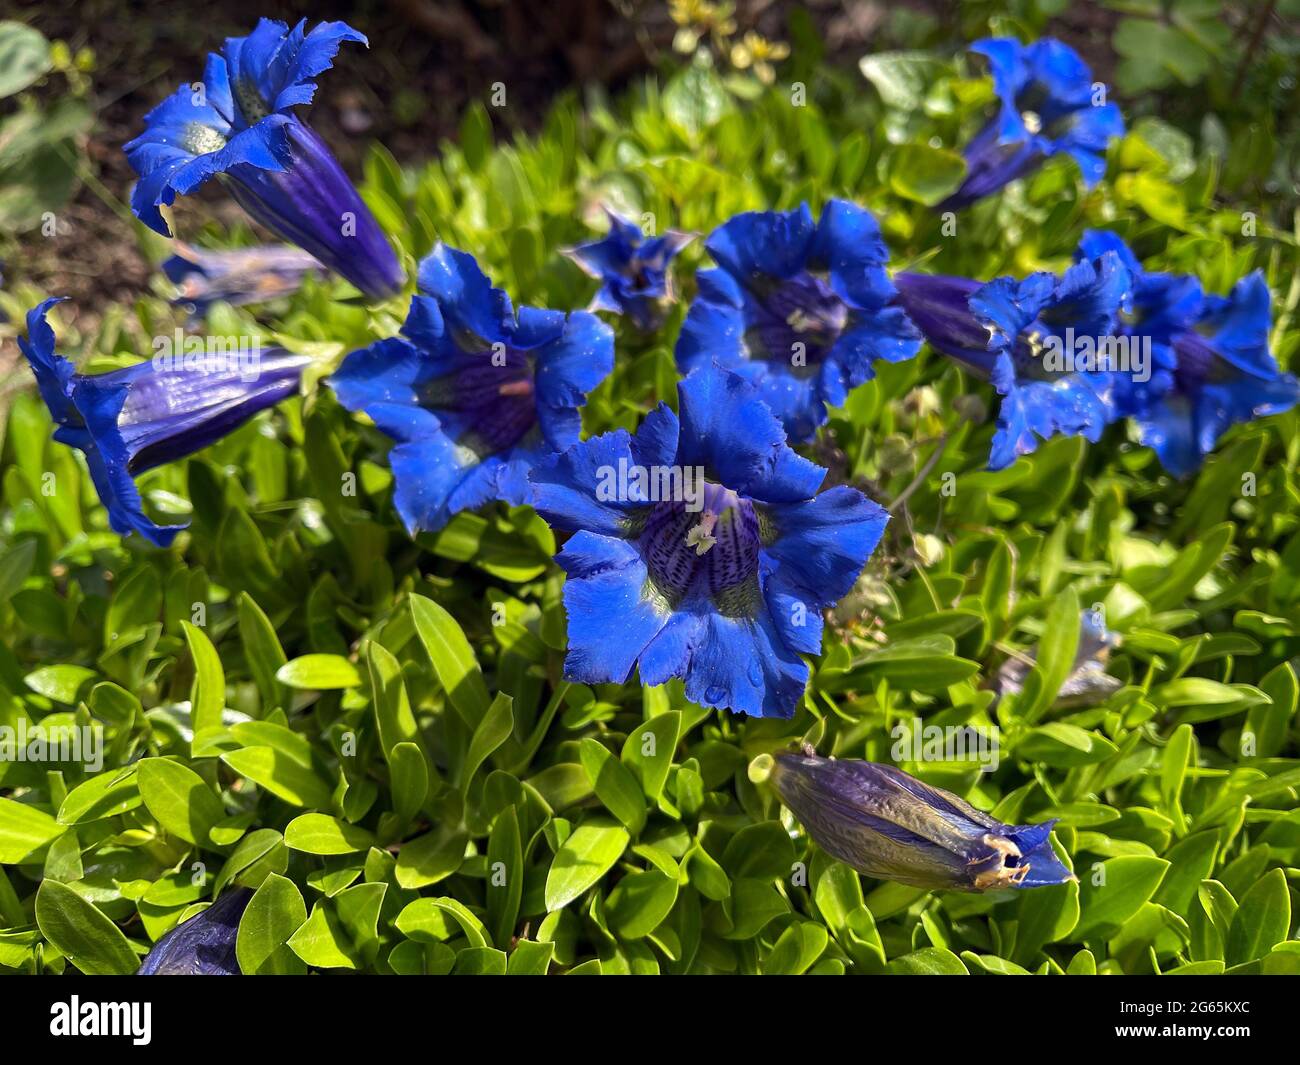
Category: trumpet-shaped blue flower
[891,826]
[202,946]
[801,309]
[237,276]
[1040,341]
[1212,364]
[632,270]
[130,420]
[1048,105]
[239,125]
[475,395]
[701,549]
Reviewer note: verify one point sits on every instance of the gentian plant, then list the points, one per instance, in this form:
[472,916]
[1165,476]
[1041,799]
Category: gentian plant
[887,824]
[130,420]
[1024,336]
[802,309]
[826,624]
[1212,364]
[474,393]
[240,125]
[238,277]
[632,270]
[702,549]
[1048,104]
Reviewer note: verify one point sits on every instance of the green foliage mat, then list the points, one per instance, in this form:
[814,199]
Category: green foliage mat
[374,732]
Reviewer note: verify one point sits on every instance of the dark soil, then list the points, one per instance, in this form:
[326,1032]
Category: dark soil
[427,60]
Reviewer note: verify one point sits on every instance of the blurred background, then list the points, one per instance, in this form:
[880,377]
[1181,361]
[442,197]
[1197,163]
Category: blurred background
[76,80]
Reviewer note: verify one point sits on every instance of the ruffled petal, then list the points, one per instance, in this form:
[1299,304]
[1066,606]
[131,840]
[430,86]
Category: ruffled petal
[818,547]
[727,429]
[611,619]
[763,243]
[577,489]
[466,298]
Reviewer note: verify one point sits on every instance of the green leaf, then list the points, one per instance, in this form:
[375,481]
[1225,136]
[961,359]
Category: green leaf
[1262,920]
[274,913]
[901,78]
[63,684]
[208,696]
[1056,653]
[1060,744]
[586,856]
[86,937]
[505,883]
[695,100]
[453,659]
[640,902]
[322,941]
[24,57]
[1112,893]
[614,784]
[281,775]
[322,834]
[928,961]
[319,672]
[648,752]
[925,174]
[262,650]
[25,832]
[408,777]
[530,959]
[179,799]
[106,795]
[493,730]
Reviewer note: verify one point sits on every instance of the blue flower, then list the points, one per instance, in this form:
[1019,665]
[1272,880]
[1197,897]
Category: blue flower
[1039,341]
[202,946]
[1212,367]
[801,310]
[701,549]
[632,270]
[891,826]
[130,420]
[240,125]
[475,395]
[1048,104]
[237,276]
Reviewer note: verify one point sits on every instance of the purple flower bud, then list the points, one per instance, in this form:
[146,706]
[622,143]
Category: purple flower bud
[202,946]
[888,825]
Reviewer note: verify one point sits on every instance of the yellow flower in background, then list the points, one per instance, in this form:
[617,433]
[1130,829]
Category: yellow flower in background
[757,52]
[698,19]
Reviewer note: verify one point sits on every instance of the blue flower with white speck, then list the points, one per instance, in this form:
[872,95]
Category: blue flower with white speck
[1212,364]
[632,270]
[1005,331]
[1048,105]
[133,419]
[800,309]
[474,393]
[239,125]
[718,576]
